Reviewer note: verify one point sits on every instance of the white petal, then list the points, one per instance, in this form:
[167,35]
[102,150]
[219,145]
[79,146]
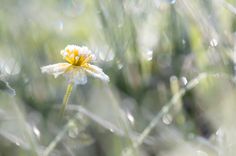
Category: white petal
[93,57]
[55,69]
[85,50]
[64,53]
[97,72]
[77,76]
[71,47]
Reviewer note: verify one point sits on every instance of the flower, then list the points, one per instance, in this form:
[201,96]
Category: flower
[77,66]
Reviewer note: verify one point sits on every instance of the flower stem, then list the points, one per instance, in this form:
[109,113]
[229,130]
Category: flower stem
[66,98]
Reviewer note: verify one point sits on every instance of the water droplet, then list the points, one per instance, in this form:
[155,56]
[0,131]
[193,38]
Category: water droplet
[169,1]
[172,1]
[148,55]
[220,135]
[36,131]
[119,65]
[183,42]
[201,153]
[11,67]
[213,42]
[219,132]
[17,143]
[73,131]
[167,119]
[112,130]
[184,80]
[130,117]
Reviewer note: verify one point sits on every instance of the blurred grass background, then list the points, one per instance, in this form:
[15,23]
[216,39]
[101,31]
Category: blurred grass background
[172,70]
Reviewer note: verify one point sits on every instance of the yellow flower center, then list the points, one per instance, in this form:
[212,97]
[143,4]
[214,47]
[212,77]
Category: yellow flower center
[77,56]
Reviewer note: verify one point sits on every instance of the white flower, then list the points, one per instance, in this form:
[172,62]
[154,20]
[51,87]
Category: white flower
[77,66]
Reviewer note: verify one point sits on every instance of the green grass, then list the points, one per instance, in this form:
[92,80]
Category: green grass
[171,68]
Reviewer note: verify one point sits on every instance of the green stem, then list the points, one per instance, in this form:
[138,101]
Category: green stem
[66,98]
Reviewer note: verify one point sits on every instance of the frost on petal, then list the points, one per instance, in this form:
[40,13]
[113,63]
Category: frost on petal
[96,72]
[93,57]
[77,55]
[77,76]
[55,69]
[84,50]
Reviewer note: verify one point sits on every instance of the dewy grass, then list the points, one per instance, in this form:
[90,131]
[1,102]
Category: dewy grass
[174,100]
[75,70]
[186,37]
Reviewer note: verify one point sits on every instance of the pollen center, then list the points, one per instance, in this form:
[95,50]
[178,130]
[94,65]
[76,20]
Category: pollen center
[77,56]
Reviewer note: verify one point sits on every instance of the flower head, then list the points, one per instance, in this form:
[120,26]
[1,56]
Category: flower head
[77,66]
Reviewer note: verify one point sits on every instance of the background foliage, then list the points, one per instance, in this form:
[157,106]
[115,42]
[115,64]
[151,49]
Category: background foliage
[171,65]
